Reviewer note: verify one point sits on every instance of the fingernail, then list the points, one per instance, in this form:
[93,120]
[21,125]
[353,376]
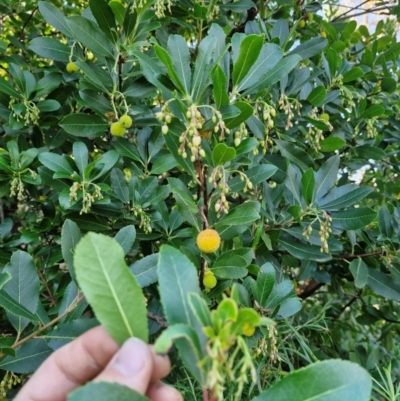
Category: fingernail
[131,357]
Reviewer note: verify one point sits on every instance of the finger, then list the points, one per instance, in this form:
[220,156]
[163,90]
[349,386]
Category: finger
[158,391]
[132,366]
[70,366]
[161,365]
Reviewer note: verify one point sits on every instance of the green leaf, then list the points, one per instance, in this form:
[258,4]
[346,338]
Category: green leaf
[81,156]
[84,125]
[353,74]
[220,87]
[4,278]
[331,380]
[308,185]
[54,17]
[163,164]
[370,152]
[265,283]
[126,237]
[353,219]
[6,88]
[383,284]
[127,149]
[301,250]
[275,74]
[295,154]
[269,56]
[344,196]
[119,185]
[331,144]
[119,11]
[110,288]
[178,277]
[145,270]
[29,357]
[279,293]
[310,48]
[230,265]
[203,68]
[250,48]
[179,51]
[317,95]
[375,110]
[68,332]
[261,173]
[359,270]
[91,36]
[223,154]
[23,287]
[104,391]
[385,222]
[104,17]
[56,163]
[70,236]
[289,307]
[244,214]
[326,176]
[50,48]
[246,111]
[12,306]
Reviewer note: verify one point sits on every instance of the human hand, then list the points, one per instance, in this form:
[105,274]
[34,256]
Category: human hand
[95,356]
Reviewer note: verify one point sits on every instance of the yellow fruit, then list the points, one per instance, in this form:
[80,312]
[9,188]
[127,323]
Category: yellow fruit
[310,16]
[323,34]
[324,116]
[126,121]
[208,240]
[248,330]
[209,279]
[72,68]
[301,24]
[117,129]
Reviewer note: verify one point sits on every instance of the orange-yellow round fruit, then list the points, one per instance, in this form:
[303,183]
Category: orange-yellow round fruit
[248,330]
[72,68]
[126,121]
[301,24]
[117,129]
[208,240]
[209,279]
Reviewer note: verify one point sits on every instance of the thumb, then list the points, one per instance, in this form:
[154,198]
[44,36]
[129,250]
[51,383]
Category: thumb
[131,366]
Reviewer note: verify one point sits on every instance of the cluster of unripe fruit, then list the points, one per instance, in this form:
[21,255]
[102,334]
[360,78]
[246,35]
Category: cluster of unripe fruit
[119,127]
[307,17]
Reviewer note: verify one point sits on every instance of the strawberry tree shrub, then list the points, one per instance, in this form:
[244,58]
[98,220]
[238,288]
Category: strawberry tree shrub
[226,170]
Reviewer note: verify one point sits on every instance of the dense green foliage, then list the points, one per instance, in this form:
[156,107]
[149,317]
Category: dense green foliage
[277,124]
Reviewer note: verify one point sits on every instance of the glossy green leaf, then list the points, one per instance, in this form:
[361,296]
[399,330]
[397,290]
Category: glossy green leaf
[70,236]
[265,283]
[50,48]
[331,144]
[246,111]
[353,219]
[308,185]
[331,380]
[84,125]
[310,48]
[230,265]
[385,222]
[88,33]
[14,307]
[375,110]
[250,48]
[54,17]
[104,17]
[6,88]
[317,95]
[23,287]
[220,87]
[126,237]
[119,185]
[118,10]
[344,196]
[145,270]
[359,270]
[29,357]
[223,154]
[383,284]
[110,287]
[261,173]
[353,74]
[163,164]
[295,154]
[326,176]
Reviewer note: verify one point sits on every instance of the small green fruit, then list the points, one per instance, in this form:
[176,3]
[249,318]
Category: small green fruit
[323,34]
[117,129]
[310,16]
[72,68]
[209,279]
[301,24]
[126,121]
[324,116]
